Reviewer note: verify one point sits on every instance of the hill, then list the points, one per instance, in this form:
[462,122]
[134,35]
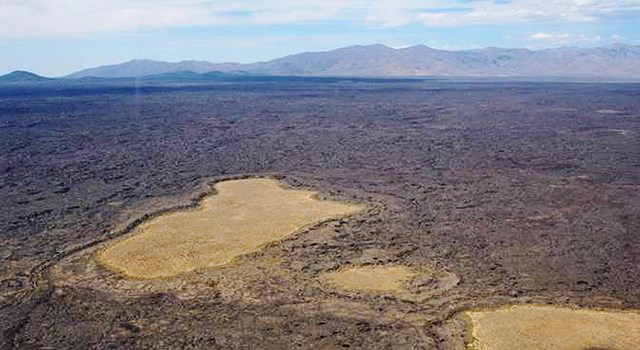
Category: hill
[20,76]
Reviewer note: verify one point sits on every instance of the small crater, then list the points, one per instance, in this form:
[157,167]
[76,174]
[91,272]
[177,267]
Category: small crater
[374,279]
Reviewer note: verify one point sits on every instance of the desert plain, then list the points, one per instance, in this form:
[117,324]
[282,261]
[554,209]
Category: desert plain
[281,213]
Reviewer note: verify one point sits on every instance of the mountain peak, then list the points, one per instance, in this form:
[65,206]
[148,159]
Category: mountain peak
[378,45]
[420,48]
[371,47]
[622,47]
[619,45]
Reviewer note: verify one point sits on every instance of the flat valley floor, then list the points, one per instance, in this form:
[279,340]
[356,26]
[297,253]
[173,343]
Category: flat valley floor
[480,194]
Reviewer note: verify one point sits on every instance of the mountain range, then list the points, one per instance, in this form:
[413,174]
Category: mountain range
[612,61]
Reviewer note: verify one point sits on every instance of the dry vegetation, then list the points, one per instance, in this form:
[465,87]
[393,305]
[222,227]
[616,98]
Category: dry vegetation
[240,218]
[535,327]
[376,279]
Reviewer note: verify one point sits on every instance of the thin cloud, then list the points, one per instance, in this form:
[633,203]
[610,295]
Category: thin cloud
[564,38]
[617,37]
[520,11]
[549,36]
[51,18]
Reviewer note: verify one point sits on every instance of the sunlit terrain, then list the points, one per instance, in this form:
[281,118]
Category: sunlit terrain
[240,218]
[547,327]
[370,278]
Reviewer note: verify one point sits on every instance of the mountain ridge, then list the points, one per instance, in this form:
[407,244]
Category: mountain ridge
[147,67]
[377,60]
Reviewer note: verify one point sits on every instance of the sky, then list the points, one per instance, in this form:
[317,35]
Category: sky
[57,37]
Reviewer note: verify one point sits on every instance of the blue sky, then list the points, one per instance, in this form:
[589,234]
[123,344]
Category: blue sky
[56,37]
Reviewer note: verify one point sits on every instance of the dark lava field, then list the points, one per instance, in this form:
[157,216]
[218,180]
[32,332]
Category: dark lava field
[526,192]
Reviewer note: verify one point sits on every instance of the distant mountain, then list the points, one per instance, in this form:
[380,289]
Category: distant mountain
[379,60]
[179,75]
[615,61]
[191,75]
[142,68]
[20,76]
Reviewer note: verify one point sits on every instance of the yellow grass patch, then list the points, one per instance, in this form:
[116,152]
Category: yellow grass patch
[532,327]
[241,218]
[376,279]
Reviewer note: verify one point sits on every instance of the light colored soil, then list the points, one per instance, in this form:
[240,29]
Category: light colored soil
[376,279]
[608,111]
[532,327]
[241,218]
